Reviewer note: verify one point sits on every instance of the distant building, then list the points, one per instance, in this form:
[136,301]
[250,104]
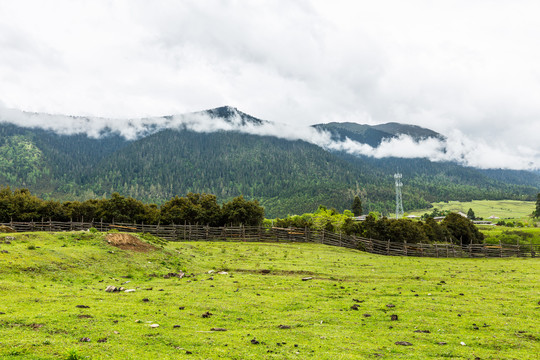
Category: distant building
[359,218]
[479,222]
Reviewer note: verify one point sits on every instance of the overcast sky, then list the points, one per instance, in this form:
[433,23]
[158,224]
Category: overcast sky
[468,69]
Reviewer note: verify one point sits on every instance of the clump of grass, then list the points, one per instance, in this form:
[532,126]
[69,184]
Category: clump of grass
[152,239]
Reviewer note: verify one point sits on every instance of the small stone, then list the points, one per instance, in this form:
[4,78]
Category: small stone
[188,352]
[463,344]
[390,305]
[129,290]
[181,308]
[223,273]
[207,314]
[441,343]
[84,339]
[176,326]
[393,317]
[404,343]
[255,341]
[307,278]
[111,288]
[83,307]
[154,326]
[284,326]
[367,315]
[145,300]
[355,307]
[218,329]
[423,331]
[103,340]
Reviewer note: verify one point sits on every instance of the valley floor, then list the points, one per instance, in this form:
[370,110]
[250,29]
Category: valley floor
[259,301]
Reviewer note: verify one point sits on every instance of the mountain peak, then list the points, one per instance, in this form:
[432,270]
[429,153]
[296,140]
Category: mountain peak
[231,114]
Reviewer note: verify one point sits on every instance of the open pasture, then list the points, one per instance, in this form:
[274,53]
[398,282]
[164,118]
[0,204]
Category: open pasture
[503,209]
[270,301]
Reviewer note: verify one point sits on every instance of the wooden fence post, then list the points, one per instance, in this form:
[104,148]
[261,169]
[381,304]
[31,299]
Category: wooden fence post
[405,247]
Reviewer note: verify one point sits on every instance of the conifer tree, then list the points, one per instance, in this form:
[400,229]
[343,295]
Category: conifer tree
[357,206]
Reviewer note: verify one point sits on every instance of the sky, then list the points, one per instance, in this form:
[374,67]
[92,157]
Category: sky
[467,69]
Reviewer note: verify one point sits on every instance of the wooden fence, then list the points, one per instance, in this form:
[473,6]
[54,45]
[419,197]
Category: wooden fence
[275,234]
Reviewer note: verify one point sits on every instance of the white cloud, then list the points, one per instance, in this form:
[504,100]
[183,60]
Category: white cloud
[470,66]
[456,147]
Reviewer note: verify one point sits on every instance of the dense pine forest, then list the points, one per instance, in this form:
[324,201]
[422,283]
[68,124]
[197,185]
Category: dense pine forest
[288,177]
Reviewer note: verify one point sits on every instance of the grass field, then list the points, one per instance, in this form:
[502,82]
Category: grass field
[503,209]
[53,304]
[496,234]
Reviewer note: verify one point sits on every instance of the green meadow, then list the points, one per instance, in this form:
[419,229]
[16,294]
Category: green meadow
[503,209]
[242,300]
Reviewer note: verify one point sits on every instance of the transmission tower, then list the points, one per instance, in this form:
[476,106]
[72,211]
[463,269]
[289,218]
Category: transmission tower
[399,201]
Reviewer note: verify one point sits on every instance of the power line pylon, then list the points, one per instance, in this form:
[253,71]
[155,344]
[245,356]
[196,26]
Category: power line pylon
[399,200]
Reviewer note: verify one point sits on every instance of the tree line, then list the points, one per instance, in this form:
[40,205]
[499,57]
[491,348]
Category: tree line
[21,205]
[454,228]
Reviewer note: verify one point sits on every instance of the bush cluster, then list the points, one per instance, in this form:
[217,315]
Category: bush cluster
[21,205]
[454,227]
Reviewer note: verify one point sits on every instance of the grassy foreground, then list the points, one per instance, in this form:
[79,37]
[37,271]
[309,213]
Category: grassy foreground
[53,304]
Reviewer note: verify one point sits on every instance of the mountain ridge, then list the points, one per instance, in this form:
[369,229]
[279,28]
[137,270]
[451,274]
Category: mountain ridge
[288,176]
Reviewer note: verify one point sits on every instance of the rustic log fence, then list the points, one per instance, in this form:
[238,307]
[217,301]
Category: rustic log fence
[274,234]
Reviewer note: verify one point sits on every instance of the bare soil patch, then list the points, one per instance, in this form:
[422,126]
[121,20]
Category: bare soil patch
[128,242]
[6,229]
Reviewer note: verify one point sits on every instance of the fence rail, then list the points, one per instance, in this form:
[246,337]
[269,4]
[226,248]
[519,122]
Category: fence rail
[275,234]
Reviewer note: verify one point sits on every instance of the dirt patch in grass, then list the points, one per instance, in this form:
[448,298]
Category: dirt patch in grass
[6,229]
[128,242]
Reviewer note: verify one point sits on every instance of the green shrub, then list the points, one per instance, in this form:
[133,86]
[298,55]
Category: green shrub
[93,230]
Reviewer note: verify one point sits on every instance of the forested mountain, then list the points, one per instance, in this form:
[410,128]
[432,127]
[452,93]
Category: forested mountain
[373,135]
[288,177]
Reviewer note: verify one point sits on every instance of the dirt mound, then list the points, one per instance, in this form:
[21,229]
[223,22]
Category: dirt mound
[6,229]
[128,242]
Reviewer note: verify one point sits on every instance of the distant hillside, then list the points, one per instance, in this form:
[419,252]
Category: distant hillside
[373,135]
[288,177]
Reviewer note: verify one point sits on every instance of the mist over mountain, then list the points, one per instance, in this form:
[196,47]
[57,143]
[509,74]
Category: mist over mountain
[226,152]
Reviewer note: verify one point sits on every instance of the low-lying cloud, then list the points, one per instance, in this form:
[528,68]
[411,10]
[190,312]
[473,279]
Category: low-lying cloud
[456,147]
